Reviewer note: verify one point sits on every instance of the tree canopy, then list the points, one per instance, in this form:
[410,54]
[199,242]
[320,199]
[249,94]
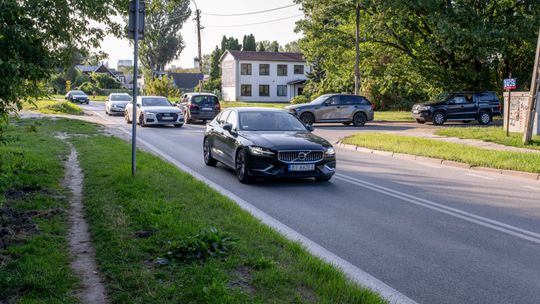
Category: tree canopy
[412,49]
[38,36]
[163,40]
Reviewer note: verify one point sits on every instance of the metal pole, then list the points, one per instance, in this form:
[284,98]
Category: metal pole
[357,42]
[507,109]
[529,120]
[198,12]
[135,87]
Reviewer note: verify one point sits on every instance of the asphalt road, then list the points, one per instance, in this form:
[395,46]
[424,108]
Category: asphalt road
[437,235]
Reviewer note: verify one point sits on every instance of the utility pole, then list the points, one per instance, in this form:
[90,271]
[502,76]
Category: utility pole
[533,98]
[199,28]
[357,42]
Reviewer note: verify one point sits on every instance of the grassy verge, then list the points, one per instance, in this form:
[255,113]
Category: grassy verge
[49,106]
[491,134]
[211,251]
[457,152]
[34,260]
[397,116]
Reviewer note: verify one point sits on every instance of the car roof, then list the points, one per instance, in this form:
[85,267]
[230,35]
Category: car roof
[197,93]
[255,109]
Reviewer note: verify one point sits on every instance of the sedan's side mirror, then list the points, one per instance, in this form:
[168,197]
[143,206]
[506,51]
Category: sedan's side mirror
[310,128]
[227,127]
[138,105]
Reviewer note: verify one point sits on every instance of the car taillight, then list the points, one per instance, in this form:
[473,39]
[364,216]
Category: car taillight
[218,107]
[193,107]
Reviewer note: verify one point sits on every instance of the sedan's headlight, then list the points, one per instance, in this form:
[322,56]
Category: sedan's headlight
[149,113]
[330,152]
[260,151]
[424,108]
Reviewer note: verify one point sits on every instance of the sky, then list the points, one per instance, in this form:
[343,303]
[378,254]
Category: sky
[217,26]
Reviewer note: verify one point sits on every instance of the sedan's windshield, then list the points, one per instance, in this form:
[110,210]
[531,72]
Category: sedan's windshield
[155,102]
[120,97]
[77,93]
[269,121]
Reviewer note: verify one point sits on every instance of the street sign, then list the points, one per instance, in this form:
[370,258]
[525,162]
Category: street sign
[510,84]
[131,21]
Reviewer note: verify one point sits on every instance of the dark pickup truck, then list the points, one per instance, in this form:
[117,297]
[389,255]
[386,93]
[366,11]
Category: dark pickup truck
[463,106]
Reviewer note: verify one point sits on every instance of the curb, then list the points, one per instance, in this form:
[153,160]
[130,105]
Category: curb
[441,162]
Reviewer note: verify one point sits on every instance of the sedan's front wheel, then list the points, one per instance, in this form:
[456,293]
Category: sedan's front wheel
[126,117]
[241,167]
[207,153]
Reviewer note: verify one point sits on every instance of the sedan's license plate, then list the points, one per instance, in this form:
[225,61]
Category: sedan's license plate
[416,112]
[303,167]
[207,109]
[167,118]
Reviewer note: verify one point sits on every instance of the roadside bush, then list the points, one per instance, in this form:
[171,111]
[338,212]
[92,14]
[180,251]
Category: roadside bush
[162,86]
[299,99]
[105,81]
[89,88]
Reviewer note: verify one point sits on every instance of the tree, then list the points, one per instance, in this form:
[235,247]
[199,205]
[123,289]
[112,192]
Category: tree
[249,43]
[261,47]
[105,81]
[162,86]
[230,43]
[291,47]
[413,49]
[267,46]
[215,71]
[163,40]
[34,40]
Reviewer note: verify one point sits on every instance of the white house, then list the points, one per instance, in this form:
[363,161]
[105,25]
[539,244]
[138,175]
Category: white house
[262,76]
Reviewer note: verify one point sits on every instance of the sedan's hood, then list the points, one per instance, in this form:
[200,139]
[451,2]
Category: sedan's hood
[298,106]
[297,140]
[80,96]
[170,109]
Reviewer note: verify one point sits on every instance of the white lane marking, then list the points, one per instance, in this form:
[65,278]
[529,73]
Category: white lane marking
[473,218]
[531,188]
[361,277]
[480,176]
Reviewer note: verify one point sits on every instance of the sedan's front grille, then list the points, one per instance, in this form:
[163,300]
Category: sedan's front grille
[300,156]
[161,115]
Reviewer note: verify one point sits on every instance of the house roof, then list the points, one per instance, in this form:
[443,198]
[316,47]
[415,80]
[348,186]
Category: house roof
[87,68]
[186,80]
[266,56]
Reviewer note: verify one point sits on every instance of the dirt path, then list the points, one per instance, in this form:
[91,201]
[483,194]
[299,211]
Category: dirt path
[80,246]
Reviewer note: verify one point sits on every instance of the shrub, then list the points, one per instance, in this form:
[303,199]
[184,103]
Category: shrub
[299,99]
[162,86]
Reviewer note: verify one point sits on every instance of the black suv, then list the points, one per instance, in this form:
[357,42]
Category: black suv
[463,106]
[199,106]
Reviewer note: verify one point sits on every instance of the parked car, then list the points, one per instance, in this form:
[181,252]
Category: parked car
[154,110]
[463,106]
[265,142]
[116,103]
[199,106]
[344,108]
[77,96]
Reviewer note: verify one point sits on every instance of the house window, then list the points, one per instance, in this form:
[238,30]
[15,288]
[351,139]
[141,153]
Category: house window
[245,69]
[245,90]
[282,70]
[264,90]
[281,90]
[264,69]
[299,69]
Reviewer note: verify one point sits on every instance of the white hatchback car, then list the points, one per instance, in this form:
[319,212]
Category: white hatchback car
[154,110]
[116,103]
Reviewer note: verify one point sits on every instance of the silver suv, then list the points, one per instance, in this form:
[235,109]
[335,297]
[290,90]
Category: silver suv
[344,108]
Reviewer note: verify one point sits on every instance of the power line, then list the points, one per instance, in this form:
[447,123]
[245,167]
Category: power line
[249,24]
[250,13]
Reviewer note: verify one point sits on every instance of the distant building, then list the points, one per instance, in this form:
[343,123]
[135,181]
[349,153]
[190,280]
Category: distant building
[124,63]
[262,76]
[102,68]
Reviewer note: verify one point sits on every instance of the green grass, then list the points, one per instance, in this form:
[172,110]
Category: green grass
[474,156]
[35,269]
[491,134]
[49,106]
[254,264]
[396,116]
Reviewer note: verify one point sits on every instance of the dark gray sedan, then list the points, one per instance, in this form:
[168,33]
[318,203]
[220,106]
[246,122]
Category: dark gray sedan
[344,108]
